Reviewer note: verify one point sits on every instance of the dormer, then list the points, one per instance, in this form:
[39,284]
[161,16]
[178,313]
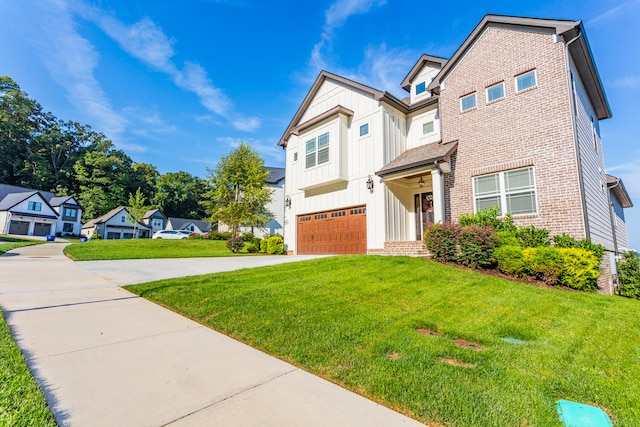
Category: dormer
[418,80]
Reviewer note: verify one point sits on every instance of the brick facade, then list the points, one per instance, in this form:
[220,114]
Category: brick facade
[530,128]
[412,248]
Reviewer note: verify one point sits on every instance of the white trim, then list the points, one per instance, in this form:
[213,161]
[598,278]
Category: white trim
[475,101]
[515,80]
[502,193]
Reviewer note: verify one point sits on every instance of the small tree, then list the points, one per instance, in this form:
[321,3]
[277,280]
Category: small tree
[238,195]
[137,209]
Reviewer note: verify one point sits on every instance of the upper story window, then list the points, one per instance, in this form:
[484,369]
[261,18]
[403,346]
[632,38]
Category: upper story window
[526,81]
[35,206]
[295,156]
[495,92]
[511,191]
[123,218]
[468,102]
[421,87]
[364,129]
[70,212]
[427,128]
[317,150]
[157,222]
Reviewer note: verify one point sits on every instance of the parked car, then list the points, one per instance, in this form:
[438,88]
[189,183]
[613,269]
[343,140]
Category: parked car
[186,232]
[169,234]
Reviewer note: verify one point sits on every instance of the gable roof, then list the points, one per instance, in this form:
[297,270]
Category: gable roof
[153,212]
[424,59]
[57,201]
[616,187]
[13,199]
[423,155]
[275,175]
[376,94]
[6,189]
[106,217]
[571,31]
[180,223]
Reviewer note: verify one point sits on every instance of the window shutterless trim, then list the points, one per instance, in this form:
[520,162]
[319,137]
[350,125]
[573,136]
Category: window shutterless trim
[488,91]
[521,76]
[473,96]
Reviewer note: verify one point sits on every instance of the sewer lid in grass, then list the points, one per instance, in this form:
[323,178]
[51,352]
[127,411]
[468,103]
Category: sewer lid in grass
[512,340]
[423,331]
[468,344]
[456,362]
[574,414]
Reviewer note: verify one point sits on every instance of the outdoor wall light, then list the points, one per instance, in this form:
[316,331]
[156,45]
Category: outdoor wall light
[287,201]
[370,183]
[421,182]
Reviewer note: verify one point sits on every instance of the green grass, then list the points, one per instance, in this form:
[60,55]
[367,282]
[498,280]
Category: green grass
[21,400]
[352,319]
[94,250]
[8,243]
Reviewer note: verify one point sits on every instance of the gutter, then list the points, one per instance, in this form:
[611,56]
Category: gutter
[612,216]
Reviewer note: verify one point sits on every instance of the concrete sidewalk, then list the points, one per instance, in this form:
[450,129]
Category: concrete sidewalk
[105,357]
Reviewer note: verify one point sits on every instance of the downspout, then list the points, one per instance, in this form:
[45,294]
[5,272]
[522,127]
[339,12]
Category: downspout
[612,216]
[575,133]
[7,224]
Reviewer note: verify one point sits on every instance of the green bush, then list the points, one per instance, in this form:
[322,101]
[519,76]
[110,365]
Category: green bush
[511,260]
[275,245]
[251,248]
[580,269]
[220,235]
[264,244]
[247,237]
[256,242]
[442,241]
[507,238]
[235,245]
[629,275]
[532,237]
[566,241]
[488,218]
[546,263]
[476,245]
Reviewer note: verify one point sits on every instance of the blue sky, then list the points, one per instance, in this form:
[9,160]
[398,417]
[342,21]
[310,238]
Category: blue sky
[179,83]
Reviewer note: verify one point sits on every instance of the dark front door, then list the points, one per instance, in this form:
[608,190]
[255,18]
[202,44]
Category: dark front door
[424,213]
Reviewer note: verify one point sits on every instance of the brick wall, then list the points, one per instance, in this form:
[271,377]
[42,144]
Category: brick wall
[415,248]
[531,128]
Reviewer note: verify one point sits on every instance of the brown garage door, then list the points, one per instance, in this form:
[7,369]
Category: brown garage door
[341,231]
[19,227]
[41,229]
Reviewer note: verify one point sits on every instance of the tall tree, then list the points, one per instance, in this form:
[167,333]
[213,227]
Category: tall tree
[144,177]
[178,194]
[238,194]
[137,208]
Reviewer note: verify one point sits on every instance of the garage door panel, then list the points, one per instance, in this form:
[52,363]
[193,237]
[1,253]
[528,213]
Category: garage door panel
[19,227]
[41,229]
[342,231]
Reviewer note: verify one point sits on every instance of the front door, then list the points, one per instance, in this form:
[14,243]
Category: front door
[423,213]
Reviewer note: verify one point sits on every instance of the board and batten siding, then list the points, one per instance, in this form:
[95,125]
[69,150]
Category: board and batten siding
[596,194]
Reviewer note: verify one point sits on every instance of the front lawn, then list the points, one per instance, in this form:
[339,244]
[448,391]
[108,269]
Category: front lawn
[8,243]
[21,401]
[354,321]
[95,250]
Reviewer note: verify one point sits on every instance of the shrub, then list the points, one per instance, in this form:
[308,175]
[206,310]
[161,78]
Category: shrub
[264,244]
[275,245]
[252,248]
[476,245]
[581,269]
[256,242]
[629,275]
[489,218]
[566,241]
[247,237]
[217,235]
[442,241]
[507,238]
[546,263]
[235,245]
[511,260]
[532,237]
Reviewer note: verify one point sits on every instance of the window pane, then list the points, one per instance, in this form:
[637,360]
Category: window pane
[323,155]
[526,80]
[520,179]
[495,92]
[521,203]
[488,184]
[420,87]
[468,102]
[311,159]
[487,203]
[427,128]
[323,140]
[364,129]
[311,145]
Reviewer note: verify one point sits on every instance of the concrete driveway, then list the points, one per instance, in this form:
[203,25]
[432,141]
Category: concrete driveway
[105,357]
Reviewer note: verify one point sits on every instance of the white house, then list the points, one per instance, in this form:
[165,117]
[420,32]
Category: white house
[115,224]
[155,219]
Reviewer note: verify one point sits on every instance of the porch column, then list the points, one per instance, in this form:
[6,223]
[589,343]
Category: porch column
[438,196]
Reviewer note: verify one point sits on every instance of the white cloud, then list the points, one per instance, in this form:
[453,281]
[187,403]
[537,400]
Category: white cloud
[630,174]
[612,12]
[630,82]
[270,151]
[384,68]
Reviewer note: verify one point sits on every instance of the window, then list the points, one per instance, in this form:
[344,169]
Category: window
[421,87]
[317,153]
[295,156]
[495,92]
[123,218]
[157,222]
[468,102]
[511,191]
[67,227]
[526,80]
[35,206]
[70,213]
[594,131]
[364,129]
[427,128]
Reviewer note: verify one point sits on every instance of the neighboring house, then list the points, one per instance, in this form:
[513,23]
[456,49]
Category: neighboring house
[37,213]
[193,225]
[155,219]
[510,120]
[115,225]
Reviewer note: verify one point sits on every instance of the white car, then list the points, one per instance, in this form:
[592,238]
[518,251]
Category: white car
[169,234]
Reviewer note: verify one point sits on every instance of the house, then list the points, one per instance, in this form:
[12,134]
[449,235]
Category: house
[26,211]
[115,224]
[155,219]
[193,225]
[510,120]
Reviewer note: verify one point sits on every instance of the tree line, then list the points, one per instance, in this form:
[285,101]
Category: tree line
[40,151]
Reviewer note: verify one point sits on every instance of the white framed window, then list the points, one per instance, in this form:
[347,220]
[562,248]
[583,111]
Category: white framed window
[468,102]
[295,156]
[526,81]
[421,87]
[511,191]
[157,222]
[427,128]
[364,129]
[317,150]
[35,206]
[495,92]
